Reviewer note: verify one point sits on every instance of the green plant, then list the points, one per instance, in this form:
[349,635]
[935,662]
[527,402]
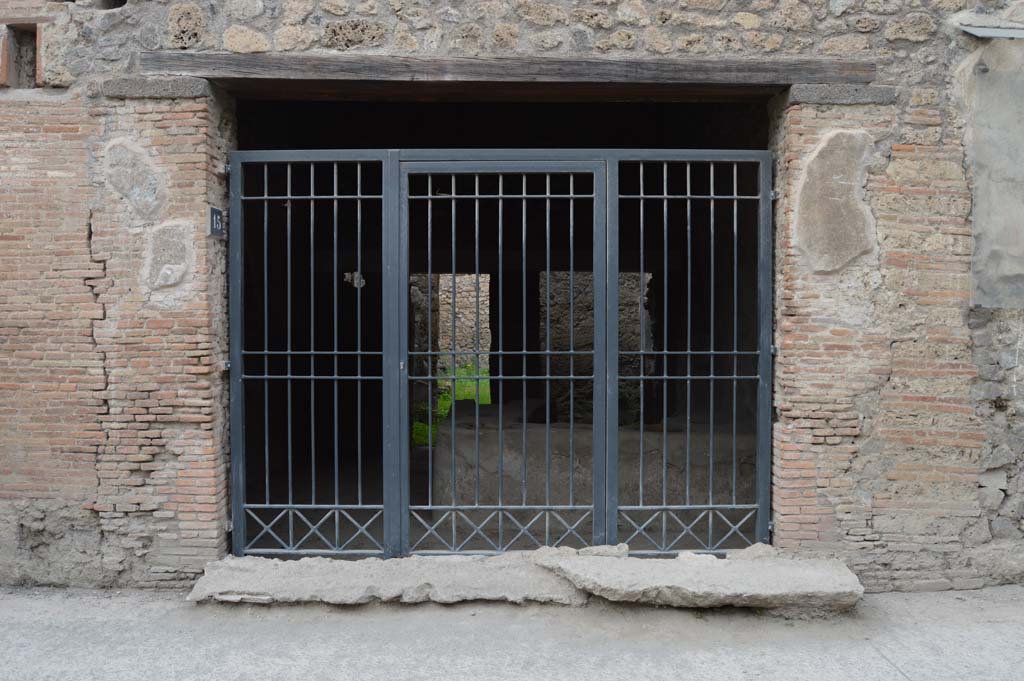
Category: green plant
[464,389]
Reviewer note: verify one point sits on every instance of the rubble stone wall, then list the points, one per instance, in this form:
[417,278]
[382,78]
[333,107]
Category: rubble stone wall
[470,318]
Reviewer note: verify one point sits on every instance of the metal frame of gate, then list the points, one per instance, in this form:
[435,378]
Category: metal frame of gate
[397,165]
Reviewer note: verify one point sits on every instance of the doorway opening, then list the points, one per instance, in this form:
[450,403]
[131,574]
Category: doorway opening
[490,350]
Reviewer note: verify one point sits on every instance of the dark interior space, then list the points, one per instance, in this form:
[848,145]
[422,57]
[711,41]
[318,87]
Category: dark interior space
[498,125]
[22,57]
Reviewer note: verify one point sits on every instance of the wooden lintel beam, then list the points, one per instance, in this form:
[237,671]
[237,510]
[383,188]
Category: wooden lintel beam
[308,67]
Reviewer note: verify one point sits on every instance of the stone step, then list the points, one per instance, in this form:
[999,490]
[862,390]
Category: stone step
[759,577]
[751,578]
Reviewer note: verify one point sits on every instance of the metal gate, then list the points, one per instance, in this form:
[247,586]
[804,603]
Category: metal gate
[482,351]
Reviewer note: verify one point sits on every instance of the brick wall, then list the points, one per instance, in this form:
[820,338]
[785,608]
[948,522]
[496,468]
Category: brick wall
[161,466]
[108,315]
[51,371]
[877,442]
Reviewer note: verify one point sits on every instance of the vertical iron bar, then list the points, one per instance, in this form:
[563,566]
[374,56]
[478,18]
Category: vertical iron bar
[572,338]
[642,382]
[664,342]
[501,362]
[397,213]
[335,318]
[312,335]
[236,239]
[432,384]
[605,384]
[525,357]
[395,265]
[453,368]
[689,320]
[764,358]
[547,356]
[399,382]
[476,356]
[288,232]
[735,317]
[359,332]
[266,345]
[711,380]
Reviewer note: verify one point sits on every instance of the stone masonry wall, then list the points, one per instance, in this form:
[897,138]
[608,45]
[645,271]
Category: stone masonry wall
[472,330]
[896,438]
[905,35]
[882,453]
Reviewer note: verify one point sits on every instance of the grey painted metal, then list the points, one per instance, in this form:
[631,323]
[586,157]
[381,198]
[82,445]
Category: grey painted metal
[595,155]
[396,513]
[236,395]
[765,272]
[729,521]
[609,479]
[431,516]
[298,527]
[396,262]
[603,359]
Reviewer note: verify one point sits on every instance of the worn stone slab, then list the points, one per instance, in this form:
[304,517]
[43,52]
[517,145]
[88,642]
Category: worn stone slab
[704,581]
[757,577]
[511,577]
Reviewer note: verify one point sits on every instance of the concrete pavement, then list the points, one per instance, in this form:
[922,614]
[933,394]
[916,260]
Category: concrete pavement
[87,635]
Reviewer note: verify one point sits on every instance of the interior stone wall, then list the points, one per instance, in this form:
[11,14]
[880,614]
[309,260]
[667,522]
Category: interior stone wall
[464,306]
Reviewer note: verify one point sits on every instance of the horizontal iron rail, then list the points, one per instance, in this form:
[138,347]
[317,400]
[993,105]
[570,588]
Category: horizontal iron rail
[316,507]
[690,507]
[307,377]
[302,353]
[692,197]
[318,197]
[557,155]
[314,552]
[482,197]
[507,353]
[503,507]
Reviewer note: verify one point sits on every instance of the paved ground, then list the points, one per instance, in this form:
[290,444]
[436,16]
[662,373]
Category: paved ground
[86,635]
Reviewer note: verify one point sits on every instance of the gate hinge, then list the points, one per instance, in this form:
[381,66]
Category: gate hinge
[775,195]
[775,350]
[227,168]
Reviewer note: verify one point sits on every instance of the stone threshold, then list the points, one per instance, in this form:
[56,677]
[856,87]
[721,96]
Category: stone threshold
[758,577]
